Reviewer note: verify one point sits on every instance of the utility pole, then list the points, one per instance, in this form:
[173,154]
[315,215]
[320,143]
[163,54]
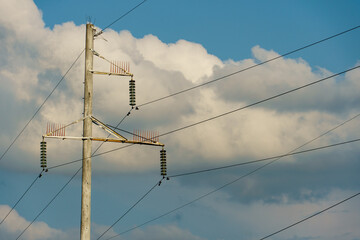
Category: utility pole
[87,135]
[58,130]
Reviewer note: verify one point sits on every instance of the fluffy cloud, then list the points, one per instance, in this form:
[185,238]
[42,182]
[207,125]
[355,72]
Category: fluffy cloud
[15,224]
[34,58]
[163,232]
[160,69]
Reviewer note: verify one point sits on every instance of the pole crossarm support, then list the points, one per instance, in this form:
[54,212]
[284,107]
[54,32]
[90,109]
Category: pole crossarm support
[125,73]
[99,139]
[111,73]
[106,128]
[118,137]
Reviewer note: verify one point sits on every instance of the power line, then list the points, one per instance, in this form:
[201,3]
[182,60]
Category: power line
[36,114]
[47,205]
[248,68]
[37,111]
[223,114]
[233,181]
[254,104]
[289,153]
[263,159]
[122,16]
[122,216]
[22,196]
[198,86]
[257,169]
[205,195]
[67,183]
[314,215]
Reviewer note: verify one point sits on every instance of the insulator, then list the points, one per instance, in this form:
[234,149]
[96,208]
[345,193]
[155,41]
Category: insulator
[43,163]
[163,162]
[132,92]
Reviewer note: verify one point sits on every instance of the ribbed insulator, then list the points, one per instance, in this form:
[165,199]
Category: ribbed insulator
[43,161]
[132,92]
[163,162]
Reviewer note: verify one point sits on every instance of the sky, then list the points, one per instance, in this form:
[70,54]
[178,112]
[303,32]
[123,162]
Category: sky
[172,46]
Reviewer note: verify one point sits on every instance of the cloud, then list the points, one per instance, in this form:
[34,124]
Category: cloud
[15,224]
[282,75]
[34,58]
[163,232]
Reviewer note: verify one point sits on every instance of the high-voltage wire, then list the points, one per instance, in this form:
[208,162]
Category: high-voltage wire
[261,101]
[22,196]
[37,111]
[122,16]
[58,193]
[313,215]
[263,159]
[233,181]
[122,216]
[248,68]
[47,205]
[229,112]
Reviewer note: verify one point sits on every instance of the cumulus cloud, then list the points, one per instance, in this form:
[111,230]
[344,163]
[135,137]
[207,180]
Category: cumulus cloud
[33,59]
[33,65]
[163,232]
[14,225]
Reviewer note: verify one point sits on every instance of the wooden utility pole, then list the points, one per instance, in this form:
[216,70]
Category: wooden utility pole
[58,131]
[87,135]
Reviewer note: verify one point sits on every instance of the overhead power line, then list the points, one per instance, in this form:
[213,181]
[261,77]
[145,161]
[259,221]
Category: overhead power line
[259,102]
[39,108]
[118,19]
[220,115]
[248,68]
[177,93]
[132,207]
[235,180]
[21,197]
[58,193]
[263,159]
[47,205]
[209,193]
[314,215]
[252,104]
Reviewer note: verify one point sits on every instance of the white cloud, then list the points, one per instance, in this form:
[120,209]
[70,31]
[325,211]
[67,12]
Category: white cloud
[163,232]
[15,224]
[161,69]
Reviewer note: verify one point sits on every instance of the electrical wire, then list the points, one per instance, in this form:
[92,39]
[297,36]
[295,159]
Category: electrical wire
[122,16]
[96,155]
[185,91]
[314,215]
[248,68]
[39,108]
[47,205]
[203,196]
[253,104]
[293,151]
[58,193]
[262,160]
[261,101]
[235,180]
[223,114]
[207,170]
[22,196]
[122,216]
[37,113]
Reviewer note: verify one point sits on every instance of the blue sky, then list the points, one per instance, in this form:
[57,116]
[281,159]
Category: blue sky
[171,46]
